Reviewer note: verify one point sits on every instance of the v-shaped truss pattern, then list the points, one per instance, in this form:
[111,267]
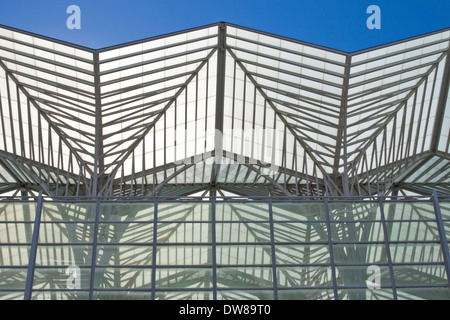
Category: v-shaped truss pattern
[226,108]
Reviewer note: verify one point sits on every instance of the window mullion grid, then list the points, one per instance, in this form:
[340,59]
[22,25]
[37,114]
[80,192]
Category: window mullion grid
[330,248]
[388,250]
[33,249]
[273,256]
[154,252]
[213,245]
[94,249]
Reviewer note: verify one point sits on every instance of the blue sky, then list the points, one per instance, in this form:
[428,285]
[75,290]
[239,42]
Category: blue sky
[335,24]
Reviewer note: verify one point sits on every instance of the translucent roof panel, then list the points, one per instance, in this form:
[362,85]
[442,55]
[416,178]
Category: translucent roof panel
[147,89]
[301,83]
[385,81]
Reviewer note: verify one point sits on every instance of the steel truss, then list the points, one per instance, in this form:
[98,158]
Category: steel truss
[223,107]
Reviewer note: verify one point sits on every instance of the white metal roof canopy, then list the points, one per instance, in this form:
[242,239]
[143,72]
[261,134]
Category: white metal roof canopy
[223,107]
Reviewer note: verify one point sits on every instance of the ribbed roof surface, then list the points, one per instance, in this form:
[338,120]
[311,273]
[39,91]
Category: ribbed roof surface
[223,107]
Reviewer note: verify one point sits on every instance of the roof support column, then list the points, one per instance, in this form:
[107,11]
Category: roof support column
[341,139]
[220,93]
[98,153]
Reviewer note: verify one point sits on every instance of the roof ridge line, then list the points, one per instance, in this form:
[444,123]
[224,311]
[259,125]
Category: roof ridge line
[129,43]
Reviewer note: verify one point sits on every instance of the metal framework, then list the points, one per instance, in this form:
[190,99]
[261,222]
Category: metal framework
[223,107]
[220,248]
[224,163]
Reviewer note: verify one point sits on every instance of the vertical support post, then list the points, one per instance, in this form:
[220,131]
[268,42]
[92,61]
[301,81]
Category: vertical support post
[33,249]
[98,158]
[220,84]
[442,235]
[213,243]
[330,248]
[341,139]
[272,248]
[388,250]
[220,98]
[155,239]
[94,250]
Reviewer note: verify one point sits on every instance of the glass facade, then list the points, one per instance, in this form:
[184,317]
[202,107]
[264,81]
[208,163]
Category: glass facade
[225,249]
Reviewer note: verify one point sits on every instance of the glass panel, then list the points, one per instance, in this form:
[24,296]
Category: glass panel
[365,294]
[445,211]
[423,293]
[117,278]
[60,295]
[183,255]
[14,255]
[184,232]
[447,229]
[242,232]
[136,211]
[354,211]
[183,295]
[309,276]
[363,276]
[409,211]
[359,253]
[244,277]
[8,295]
[64,255]
[124,255]
[171,278]
[190,211]
[66,278]
[357,231]
[235,211]
[122,295]
[298,211]
[12,278]
[302,254]
[420,275]
[125,233]
[17,211]
[245,295]
[16,232]
[416,252]
[412,231]
[66,233]
[300,232]
[243,254]
[55,211]
[306,294]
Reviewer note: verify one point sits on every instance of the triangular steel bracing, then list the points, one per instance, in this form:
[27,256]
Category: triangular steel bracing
[223,107]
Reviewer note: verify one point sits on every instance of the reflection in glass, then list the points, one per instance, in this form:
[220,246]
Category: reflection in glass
[241,249]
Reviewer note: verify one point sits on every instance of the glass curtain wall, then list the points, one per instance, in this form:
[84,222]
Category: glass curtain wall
[225,249]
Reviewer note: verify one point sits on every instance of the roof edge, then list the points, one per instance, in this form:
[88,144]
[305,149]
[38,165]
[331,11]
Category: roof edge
[36,35]
[129,43]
